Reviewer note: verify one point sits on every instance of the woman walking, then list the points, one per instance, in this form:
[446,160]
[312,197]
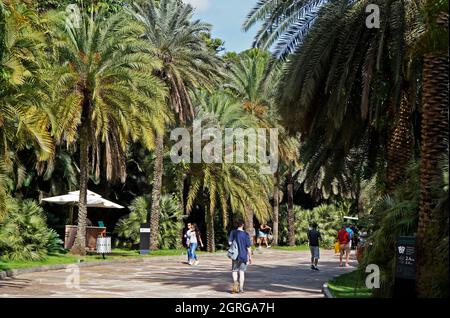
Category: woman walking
[263,235]
[194,238]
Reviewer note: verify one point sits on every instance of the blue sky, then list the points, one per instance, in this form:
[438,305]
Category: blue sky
[226,16]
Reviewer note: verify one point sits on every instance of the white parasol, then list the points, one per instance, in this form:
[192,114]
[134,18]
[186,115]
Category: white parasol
[94,200]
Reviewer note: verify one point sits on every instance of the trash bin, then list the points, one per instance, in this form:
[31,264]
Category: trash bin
[103,245]
[144,243]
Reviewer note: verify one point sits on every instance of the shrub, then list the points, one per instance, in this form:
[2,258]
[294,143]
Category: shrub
[127,228]
[328,217]
[392,216]
[24,234]
[54,243]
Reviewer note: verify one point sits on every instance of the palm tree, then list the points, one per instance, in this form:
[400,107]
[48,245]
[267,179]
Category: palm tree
[247,82]
[252,79]
[104,94]
[233,186]
[434,128]
[186,63]
[24,119]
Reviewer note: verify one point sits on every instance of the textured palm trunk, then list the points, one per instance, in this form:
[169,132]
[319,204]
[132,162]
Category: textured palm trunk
[181,208]
[156,193]
[79,246]
[275,208]
[290,211]
[210,235]
[400,146]
[434,133]
[249,221]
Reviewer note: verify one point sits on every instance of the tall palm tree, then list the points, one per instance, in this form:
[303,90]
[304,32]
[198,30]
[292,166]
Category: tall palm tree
[252,79]
[104,94]
[24,119]
[247,82]
[186,63]
[434,128]
[232,186]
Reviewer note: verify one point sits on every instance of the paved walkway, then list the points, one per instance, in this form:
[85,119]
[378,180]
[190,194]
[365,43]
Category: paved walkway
[274,273]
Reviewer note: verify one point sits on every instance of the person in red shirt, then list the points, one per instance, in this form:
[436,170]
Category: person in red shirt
[344,246]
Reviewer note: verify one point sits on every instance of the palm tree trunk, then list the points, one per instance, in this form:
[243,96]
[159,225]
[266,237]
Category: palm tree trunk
[290,212]
[275,208]
[249,221]
[156,192]
[400,146]
[79,247]
[434,133]
[181,208]
[210,236]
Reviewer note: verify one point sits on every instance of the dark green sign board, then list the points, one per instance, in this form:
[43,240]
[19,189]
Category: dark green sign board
[406,257]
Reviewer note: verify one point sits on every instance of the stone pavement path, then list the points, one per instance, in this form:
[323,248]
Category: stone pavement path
[274,273]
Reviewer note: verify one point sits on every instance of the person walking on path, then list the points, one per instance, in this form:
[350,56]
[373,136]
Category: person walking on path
[239,266]
[186,236]
[263,235]
[194,238]
[344,246]
[313,238]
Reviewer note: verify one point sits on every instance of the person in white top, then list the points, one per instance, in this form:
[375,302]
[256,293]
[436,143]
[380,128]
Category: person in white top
[193,239]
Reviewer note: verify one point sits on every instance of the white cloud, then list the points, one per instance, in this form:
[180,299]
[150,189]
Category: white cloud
[200,5]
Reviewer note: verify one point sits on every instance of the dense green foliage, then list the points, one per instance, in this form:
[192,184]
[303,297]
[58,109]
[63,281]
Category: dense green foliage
[128,227]
[24,234]
[329,218]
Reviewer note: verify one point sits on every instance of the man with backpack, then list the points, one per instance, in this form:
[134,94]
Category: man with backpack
[240,254]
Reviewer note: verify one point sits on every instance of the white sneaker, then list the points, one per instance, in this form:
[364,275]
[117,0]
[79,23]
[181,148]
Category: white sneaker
[196,263]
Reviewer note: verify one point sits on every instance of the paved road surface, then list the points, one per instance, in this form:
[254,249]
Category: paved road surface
[274,273]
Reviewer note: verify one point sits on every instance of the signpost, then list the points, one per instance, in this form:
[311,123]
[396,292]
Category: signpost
[144,245]
[405,271]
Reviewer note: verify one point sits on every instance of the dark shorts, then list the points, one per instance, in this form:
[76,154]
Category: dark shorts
[315,252]
[238,265]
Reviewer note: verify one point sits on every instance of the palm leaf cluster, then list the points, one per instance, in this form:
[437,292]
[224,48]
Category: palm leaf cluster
[341,81]
[106,79]
[186,61]
[24,121]
[284,23]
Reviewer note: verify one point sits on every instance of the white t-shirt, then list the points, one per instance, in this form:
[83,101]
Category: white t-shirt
[191,237]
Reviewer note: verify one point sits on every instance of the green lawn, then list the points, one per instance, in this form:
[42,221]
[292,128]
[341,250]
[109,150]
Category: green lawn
[57,259]
[350,285]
